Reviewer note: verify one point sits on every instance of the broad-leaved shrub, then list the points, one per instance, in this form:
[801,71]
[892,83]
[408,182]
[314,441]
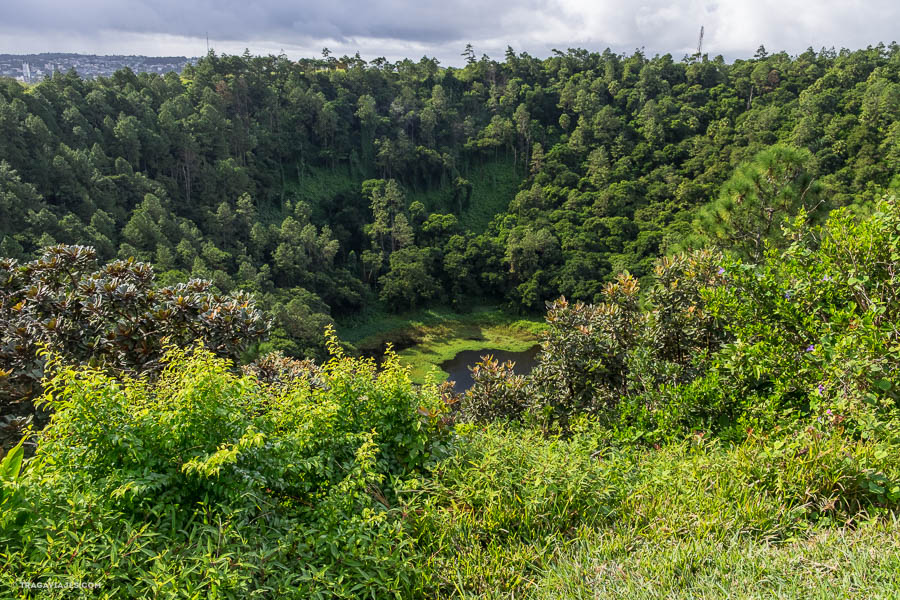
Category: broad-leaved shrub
[203,481]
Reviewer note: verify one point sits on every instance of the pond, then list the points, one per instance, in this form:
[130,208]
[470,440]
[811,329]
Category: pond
[458,366]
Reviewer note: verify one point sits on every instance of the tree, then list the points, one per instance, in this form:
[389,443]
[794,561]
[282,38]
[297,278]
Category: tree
[18,199]
[367,114]
[390,228]
[469,54]
[775,185]
[408,283]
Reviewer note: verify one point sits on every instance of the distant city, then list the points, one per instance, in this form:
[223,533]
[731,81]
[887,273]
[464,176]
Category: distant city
[32,68]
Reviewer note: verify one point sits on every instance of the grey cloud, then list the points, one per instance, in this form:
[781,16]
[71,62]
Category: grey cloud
[433,22]
[440,28]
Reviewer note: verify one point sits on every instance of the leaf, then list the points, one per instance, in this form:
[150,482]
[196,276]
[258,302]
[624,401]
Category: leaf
[883,384]
[11,464]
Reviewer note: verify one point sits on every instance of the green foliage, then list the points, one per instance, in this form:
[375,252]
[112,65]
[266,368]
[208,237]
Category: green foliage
[11,501]
[205,480]
[560,172]
[112,317]
[583,356]
[593,357]
[726,347]
[11,464]
[505,514]
[738,407]
[496,392]
[408,282]
[753,204]
[815,325]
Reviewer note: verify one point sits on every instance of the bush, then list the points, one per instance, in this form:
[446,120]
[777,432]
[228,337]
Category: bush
[276,369]
[496,392]
[583,361]
[204,481]
[595,356]
[816,326]
[111,317]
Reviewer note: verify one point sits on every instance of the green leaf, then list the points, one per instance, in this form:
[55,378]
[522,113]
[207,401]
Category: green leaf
[883,384]
[875,488]
[11,464]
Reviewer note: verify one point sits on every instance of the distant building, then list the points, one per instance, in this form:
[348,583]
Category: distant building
[32,68]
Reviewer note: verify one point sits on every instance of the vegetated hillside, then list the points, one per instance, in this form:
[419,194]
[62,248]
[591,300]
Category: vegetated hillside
[328,185]
[734,434]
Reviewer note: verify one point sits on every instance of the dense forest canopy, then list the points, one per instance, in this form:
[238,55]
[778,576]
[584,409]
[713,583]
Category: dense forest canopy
[325,186]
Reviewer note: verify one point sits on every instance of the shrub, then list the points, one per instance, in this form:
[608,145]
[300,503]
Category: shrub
[583,361]
[496,392]
[111,317]
[681,325]
[669,411]
[595,356]
[816,326]
[204,482]
[279,370]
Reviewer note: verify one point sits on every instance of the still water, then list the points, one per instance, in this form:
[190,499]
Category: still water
[458,366]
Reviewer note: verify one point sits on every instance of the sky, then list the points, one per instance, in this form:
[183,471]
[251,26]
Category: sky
[399,29]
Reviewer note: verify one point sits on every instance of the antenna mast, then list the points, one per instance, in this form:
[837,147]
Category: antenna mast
[207,40]
[700,41]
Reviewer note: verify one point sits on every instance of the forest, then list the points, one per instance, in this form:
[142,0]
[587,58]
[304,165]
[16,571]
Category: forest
[333,186]
[713,247]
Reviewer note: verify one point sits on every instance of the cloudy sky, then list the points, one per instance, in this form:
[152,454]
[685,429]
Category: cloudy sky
[398,29]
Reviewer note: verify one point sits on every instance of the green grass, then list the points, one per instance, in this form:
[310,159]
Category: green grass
[513,514]
[494,185]
[319,186]
[426,338]
[829,563]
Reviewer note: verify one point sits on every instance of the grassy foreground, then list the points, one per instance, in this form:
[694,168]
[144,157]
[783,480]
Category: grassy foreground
[426,338]
[350,484]
[832,563]
[516,515]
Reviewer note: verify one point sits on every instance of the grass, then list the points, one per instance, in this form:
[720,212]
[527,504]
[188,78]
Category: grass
[830,563]
[426,338]
[494,185]
[513,514]
[320,187]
